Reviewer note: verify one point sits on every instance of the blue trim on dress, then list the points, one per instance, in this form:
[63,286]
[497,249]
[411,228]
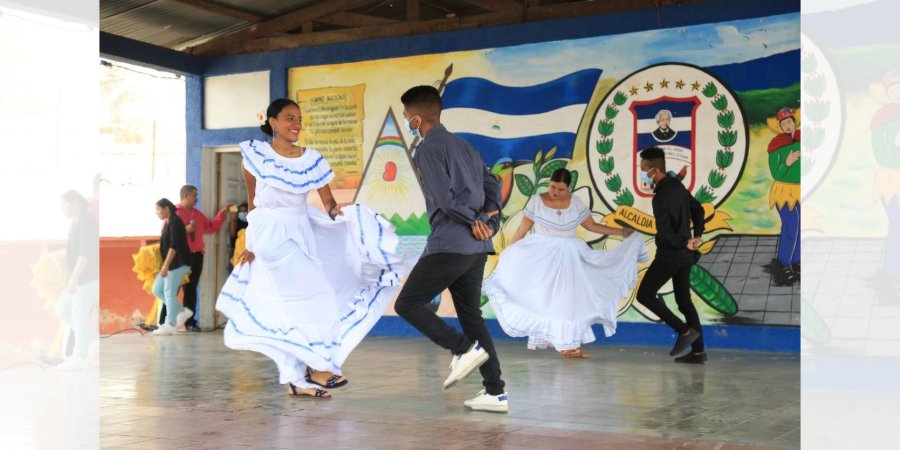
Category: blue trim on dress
[353,311]
[258,174]
[234,327]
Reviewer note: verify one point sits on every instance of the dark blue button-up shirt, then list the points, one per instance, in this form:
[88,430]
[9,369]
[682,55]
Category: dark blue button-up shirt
[459,189]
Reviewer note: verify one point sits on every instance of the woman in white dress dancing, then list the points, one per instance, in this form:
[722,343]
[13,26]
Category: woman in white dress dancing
[551,286]
[309,286]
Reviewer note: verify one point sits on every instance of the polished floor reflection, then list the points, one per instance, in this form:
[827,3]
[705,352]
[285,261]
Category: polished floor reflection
[189,391]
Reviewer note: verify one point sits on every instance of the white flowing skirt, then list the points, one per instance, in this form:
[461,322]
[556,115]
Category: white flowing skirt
[315,288]
[552,289]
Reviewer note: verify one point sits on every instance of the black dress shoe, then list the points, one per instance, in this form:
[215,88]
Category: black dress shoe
[692,358]
[192,328]
[684,341]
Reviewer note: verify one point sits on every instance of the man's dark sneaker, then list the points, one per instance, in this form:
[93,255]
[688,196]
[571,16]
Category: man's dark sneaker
[692,358]
[684,341]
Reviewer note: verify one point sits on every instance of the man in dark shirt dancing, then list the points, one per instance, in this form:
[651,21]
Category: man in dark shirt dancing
[675,210]
[462,199]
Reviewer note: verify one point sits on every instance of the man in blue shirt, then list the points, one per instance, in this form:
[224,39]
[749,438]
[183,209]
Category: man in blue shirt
[462,199]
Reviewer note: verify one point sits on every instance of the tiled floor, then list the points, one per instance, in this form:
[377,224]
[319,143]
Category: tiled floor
[740,263]
[190,391]
[852,305]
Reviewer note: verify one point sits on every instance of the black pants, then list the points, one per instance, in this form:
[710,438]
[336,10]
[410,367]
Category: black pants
[189,289]
[678,270]
[463,275]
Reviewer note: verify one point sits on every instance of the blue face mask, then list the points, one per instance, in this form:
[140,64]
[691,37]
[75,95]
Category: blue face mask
[415,132]
[242,216]
[645,177]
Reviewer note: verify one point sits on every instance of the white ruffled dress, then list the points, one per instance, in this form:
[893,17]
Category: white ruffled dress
[551,286]
[316,287]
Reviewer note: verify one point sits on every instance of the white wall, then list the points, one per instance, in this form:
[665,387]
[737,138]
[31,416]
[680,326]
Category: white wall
[233,101]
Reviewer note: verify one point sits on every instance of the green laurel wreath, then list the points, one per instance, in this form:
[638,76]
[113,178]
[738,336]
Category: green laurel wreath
[727,139]
[604,146]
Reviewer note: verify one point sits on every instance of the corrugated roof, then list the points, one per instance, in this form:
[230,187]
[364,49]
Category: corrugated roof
[165,23]
[268,8]
[109,8]
[183,24]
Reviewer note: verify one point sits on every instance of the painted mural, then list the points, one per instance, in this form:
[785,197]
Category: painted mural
[723,101]
[851,162]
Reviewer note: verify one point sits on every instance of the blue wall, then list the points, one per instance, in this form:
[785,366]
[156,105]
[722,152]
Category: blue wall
[762,338]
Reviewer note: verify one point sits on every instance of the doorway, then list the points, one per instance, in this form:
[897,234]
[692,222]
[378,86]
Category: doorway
[221,171]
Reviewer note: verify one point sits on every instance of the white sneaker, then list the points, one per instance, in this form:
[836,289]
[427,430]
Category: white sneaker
[462,365]
[183,316]
[486,402]
[165,330]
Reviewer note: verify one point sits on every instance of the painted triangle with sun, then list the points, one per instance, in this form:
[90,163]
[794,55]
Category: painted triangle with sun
[389,184]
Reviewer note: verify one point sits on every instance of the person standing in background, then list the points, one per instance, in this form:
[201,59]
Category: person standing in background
[236,223]
[78,303]
[196,224]
[175,264]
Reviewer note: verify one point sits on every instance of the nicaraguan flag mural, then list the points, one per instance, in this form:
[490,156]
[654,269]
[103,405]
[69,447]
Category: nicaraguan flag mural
[516,122]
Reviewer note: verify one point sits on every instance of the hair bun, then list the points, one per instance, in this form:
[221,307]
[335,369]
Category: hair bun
[266,128]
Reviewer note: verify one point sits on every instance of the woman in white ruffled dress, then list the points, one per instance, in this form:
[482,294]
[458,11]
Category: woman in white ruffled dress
[309,286]
[551,286]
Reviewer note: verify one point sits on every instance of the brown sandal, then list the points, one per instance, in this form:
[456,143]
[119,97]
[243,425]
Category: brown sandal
[574,353]
[294,391]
